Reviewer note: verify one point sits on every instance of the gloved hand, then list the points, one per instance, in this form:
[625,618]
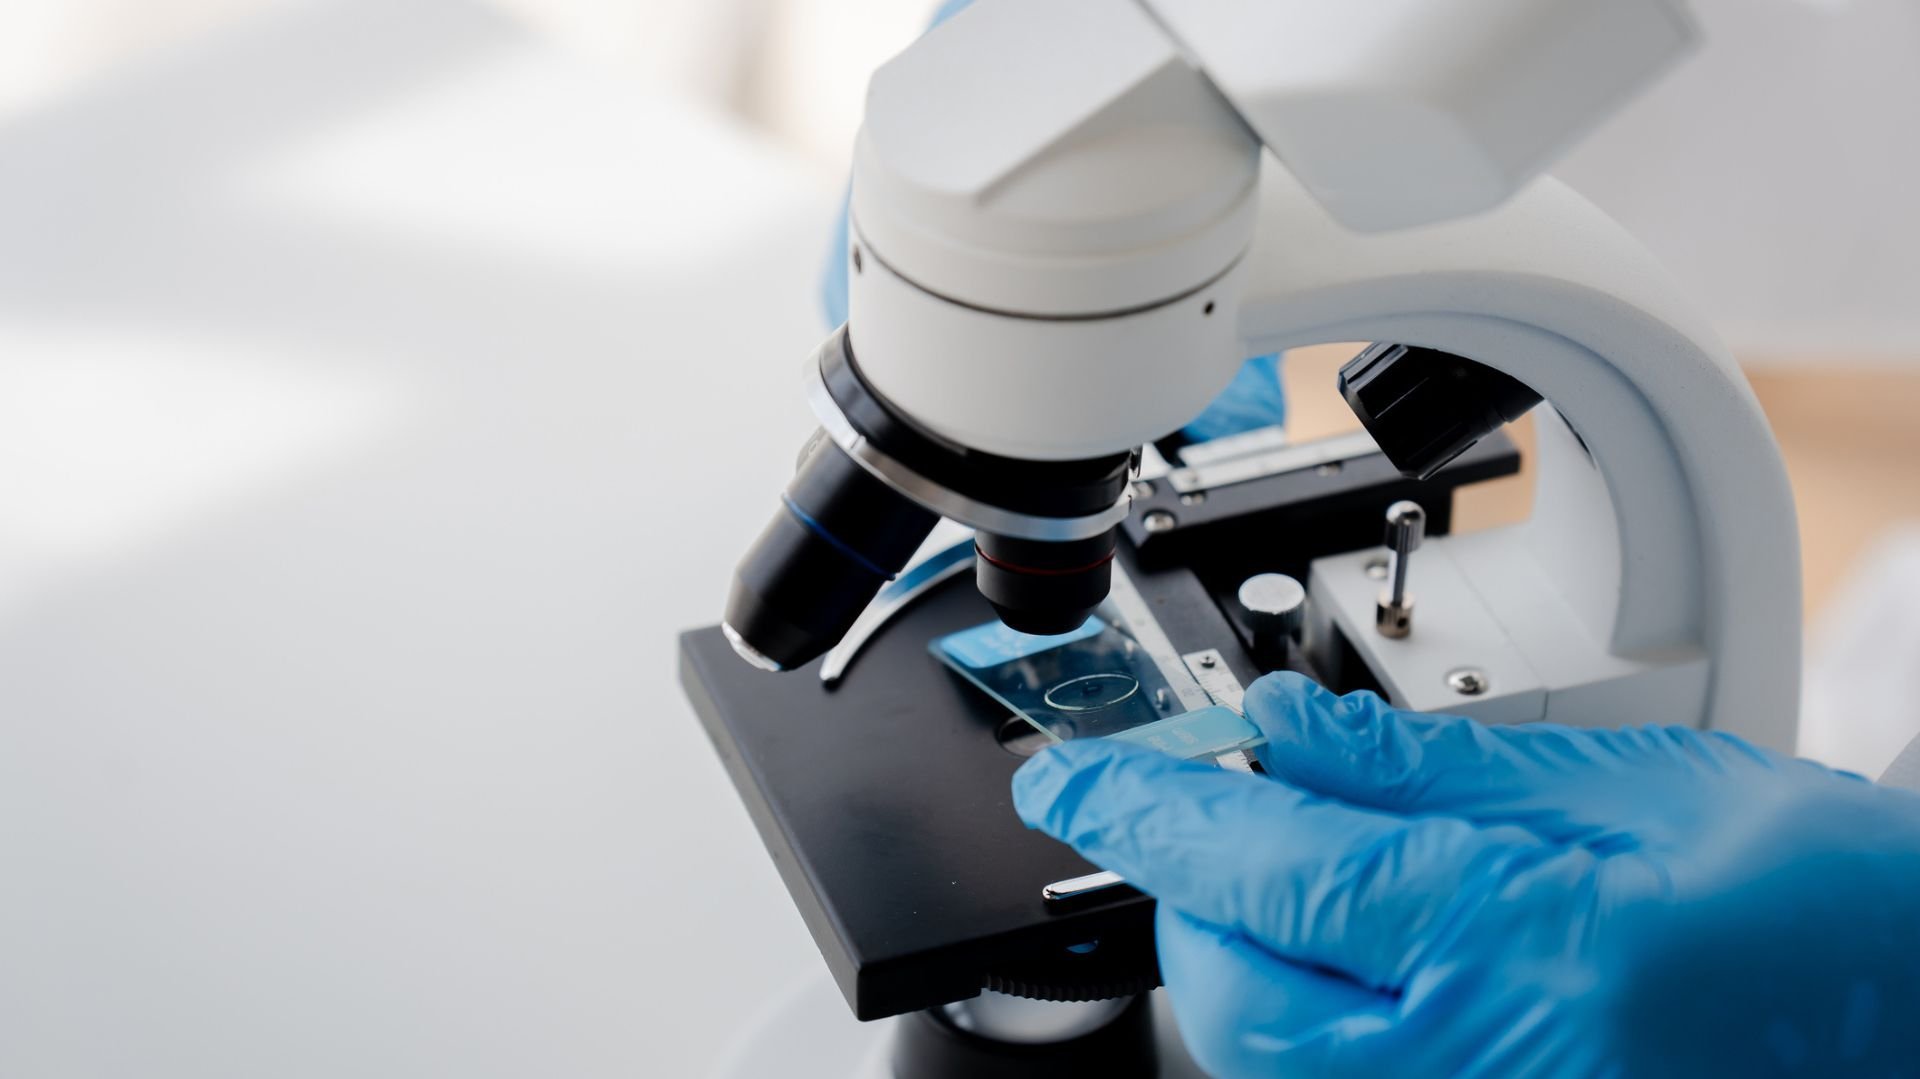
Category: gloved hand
[1423,895]
[1253,399]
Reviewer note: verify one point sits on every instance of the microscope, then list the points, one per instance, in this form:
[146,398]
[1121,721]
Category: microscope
[1071,221]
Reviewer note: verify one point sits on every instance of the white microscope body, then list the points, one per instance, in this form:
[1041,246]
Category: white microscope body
[1073,219]
[1066,237]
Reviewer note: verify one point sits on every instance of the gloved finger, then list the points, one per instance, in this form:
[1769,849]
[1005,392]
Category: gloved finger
[1255,398]
[1354,890]
[1565,784]
[1243,1011]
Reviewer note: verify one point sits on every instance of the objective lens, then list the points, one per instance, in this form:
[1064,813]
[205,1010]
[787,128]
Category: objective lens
[838,536]
[842,532]
[1044,588]
[1426,407]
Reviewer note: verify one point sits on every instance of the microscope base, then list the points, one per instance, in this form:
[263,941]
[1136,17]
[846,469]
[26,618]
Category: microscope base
[806,1033]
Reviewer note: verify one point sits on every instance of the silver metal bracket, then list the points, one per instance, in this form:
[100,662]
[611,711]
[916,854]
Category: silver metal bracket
[1210,669]
[1136,617]
[1060,891]
[898,594]
[1214,473]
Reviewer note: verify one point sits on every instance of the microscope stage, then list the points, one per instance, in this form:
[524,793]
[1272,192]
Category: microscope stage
[885,800]
[885,803]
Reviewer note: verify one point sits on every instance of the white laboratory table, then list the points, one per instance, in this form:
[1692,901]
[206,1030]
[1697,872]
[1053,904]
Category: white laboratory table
[379,395]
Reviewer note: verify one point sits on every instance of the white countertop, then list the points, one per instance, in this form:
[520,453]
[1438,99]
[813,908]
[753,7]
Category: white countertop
[379,395]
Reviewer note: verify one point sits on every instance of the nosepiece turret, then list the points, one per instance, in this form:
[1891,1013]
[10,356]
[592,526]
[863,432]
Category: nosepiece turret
[871,485]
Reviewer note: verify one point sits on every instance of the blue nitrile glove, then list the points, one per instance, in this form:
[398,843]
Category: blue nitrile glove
[1253,399]
[1423,895]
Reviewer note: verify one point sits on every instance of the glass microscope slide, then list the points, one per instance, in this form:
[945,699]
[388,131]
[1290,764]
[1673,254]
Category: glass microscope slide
[1095,681]
[1202,733]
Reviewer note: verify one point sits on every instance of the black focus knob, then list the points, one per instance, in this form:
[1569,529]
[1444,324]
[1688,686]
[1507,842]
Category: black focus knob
[1426,407]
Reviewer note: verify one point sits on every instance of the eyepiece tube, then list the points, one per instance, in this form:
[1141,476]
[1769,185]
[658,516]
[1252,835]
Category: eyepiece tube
[838,535]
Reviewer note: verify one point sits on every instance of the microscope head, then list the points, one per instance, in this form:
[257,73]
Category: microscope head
[1053,229]
[1042,277]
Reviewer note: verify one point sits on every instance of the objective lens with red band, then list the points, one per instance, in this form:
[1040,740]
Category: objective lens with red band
[1044,588]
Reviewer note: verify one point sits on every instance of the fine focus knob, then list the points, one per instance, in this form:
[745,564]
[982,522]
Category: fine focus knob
[1406,527]
[1275,605]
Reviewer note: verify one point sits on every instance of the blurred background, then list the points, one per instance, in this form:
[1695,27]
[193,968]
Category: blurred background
[379,381]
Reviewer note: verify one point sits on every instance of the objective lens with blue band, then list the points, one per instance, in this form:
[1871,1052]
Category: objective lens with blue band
[841,536]
[859,559]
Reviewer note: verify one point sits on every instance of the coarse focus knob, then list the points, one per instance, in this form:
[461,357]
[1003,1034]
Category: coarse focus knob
[1275,606]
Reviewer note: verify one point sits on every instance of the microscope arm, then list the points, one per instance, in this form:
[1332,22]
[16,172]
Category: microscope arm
[1070,242]
[1660,568]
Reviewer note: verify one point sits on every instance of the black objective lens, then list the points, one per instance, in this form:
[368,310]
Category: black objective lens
[1426,407]
[842,533]
[1044,588]
[839,535]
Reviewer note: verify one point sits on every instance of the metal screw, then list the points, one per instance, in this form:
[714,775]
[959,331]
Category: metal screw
[1193,498]
[1468,681]
[1143,489]
[1209,661]
[1376,569]
[1331,468]
[1159,521]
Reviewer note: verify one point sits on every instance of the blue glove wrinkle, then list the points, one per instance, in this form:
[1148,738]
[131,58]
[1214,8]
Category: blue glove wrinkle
[1677,750]
[1358,749]
[1243,1011]
[1507,862]
[1543,777]
[1090,795]
[1101,798]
